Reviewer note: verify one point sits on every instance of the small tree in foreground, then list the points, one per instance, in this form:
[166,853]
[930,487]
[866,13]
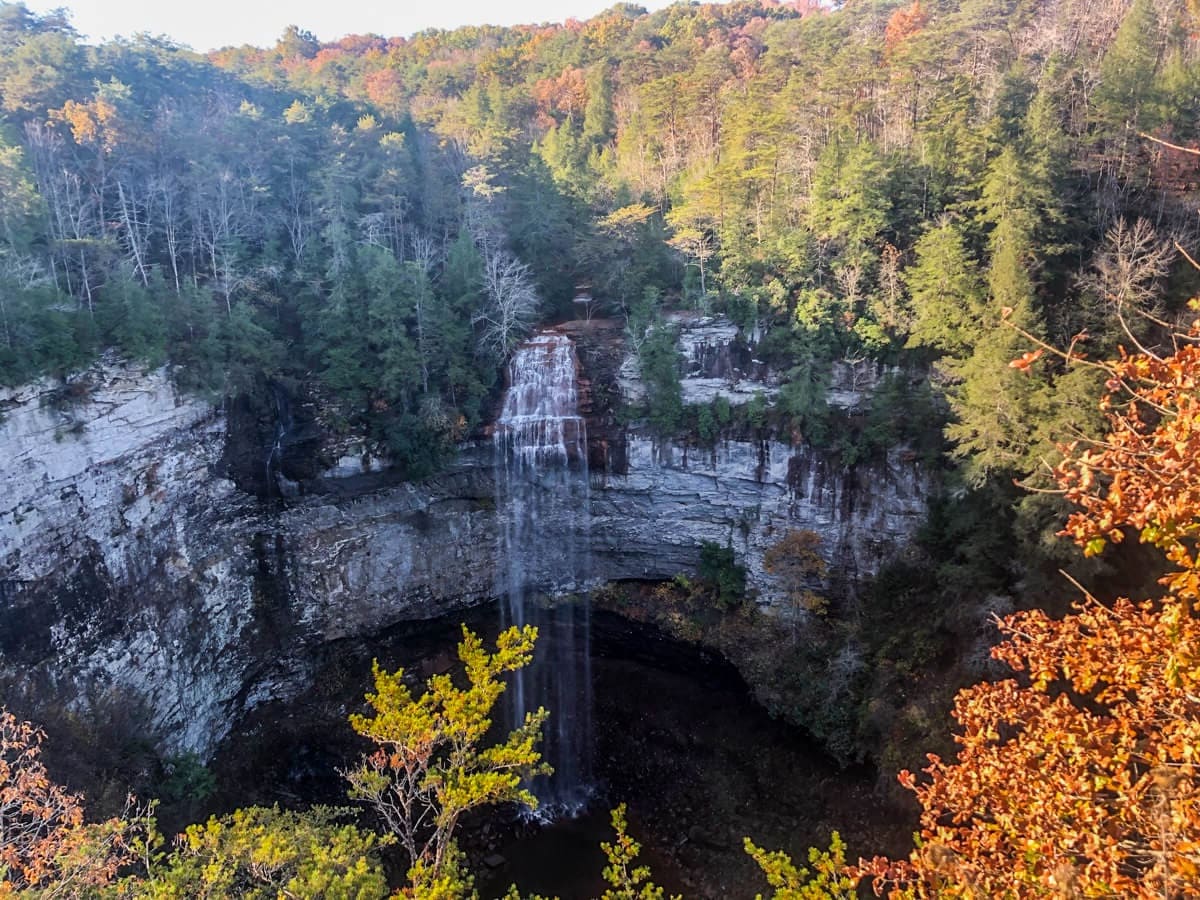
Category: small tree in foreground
[431,765]
[45,845]
[627,881]
[826,880]
[263,853]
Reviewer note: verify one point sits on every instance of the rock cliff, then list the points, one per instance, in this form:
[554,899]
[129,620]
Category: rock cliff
[130,560]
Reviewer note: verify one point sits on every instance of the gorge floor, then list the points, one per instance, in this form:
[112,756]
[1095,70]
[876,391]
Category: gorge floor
[677,737]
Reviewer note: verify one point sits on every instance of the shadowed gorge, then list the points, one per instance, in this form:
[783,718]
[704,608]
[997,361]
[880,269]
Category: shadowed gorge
[783,395]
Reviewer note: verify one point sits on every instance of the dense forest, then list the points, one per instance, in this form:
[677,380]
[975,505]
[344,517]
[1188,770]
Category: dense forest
[383,219]
[970,196]
[875,182]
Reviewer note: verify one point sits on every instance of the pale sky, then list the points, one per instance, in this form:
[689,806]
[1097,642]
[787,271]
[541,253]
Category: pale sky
[207,24]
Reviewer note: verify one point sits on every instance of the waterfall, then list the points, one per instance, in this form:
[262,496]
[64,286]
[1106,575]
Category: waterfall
[274,478]
[542,503]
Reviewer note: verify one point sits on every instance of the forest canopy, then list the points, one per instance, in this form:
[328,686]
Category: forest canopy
[952,192]
[386,216]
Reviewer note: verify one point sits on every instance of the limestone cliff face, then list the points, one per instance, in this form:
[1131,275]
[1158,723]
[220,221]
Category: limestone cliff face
[650,523]
[131,561]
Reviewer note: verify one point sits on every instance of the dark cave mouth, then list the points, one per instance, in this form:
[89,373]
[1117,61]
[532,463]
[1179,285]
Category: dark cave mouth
[676,736]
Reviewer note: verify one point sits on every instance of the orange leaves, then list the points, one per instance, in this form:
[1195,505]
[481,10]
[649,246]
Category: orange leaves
[385,89]
[95,123]
[43,839]
[566,94]
[34,810]
[1026,360]
[1098,783]
[904,23]
[1082,778]
[1146,474]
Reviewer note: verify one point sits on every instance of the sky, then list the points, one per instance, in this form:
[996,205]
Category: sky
[207,24]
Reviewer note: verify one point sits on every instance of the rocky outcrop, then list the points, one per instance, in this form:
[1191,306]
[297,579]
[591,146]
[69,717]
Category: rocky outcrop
[650,522]
[132,561]
[716,361]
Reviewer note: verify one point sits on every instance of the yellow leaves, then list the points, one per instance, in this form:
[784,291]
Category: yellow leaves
[84,128]
[1145,475]
[627,217]
[267,853]
[628,882]
[431,766]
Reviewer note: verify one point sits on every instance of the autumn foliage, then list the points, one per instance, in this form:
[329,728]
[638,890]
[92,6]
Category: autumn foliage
[1078,776]
[1146,474]
[904,23]
[44,842]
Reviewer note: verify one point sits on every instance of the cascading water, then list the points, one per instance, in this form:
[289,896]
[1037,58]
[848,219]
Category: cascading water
[283,425]
[542,501]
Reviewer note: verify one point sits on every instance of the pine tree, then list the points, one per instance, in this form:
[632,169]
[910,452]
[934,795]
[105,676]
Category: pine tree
[946,291]
[1127,73]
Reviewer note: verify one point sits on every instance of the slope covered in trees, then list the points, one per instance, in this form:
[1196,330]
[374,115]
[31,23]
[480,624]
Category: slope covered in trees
[390,214]
[896,182]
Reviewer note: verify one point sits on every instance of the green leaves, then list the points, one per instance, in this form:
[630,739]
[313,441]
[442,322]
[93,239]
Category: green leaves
[261,853]
[826,880]
[946,290]
[627,881]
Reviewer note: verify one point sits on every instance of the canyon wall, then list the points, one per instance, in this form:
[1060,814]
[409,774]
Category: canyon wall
[132,562]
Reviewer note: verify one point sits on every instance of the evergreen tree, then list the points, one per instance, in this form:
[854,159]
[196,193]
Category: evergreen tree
[947,292]
[1127,74]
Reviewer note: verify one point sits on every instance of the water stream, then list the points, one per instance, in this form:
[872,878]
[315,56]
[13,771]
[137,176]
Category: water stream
[283,425]
[542,502]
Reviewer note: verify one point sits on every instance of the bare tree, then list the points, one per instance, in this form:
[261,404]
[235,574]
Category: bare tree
[136,228]
[218,223]
[1128,269]
[888,304]
[425,257]
[849,277]
[512,303]
[164,189]
[71,215]
[297,210]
